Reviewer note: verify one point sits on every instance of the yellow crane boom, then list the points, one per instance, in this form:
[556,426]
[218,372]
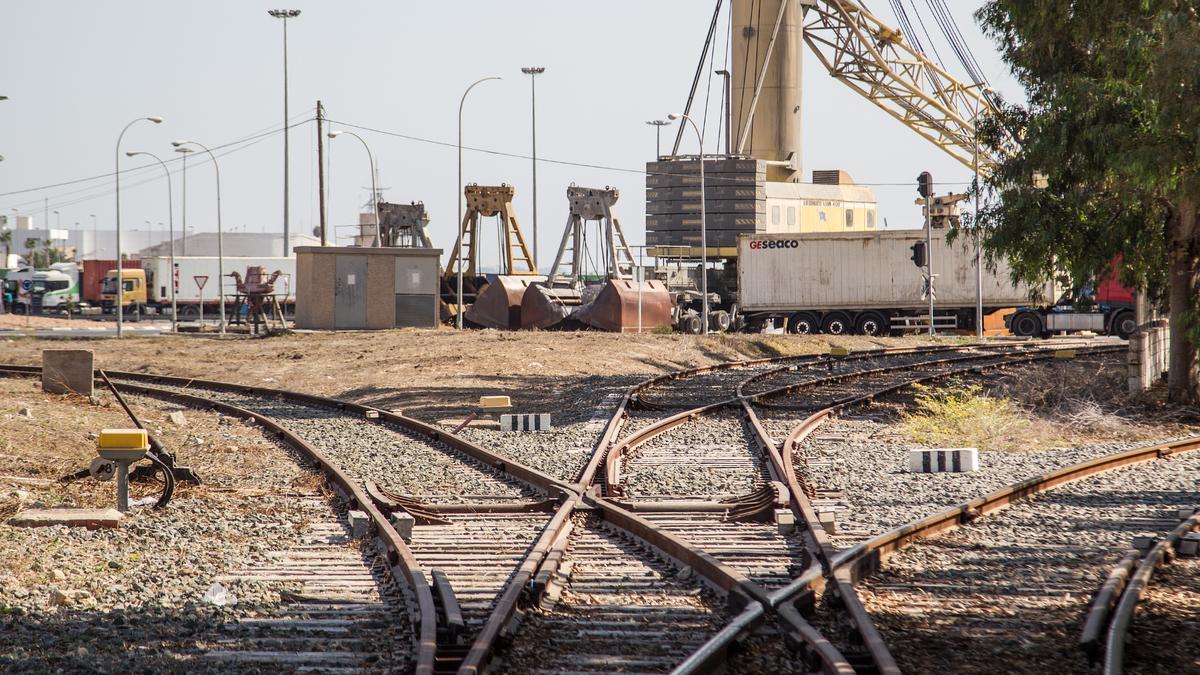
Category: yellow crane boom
[874,60]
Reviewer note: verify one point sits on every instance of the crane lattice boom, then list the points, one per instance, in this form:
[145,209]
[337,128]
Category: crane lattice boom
[874,60]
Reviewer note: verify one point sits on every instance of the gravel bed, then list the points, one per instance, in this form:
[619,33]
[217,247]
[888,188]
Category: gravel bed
[1009,592]
[565,450]
[868,462]
[389,455]
[131,599]
[710,456]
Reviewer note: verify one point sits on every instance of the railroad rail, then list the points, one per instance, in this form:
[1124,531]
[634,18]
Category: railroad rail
[573,522]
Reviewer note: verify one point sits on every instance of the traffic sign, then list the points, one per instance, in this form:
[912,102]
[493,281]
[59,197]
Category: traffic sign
[26,284]
[200,280]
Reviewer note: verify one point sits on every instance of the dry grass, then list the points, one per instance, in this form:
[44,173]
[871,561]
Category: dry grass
[1042,407]
[960,415]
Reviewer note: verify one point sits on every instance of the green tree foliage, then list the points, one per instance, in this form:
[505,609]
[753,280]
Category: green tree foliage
[1113,126]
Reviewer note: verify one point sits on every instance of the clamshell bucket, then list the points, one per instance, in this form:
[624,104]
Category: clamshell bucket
[543,307]
[499,305]
[616,307]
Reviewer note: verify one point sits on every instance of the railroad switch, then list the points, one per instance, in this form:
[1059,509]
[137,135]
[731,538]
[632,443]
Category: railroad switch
[124,447]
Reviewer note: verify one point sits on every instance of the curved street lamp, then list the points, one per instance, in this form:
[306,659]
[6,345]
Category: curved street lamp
[220,232]
[171,220]
[120,274]
[458,254]
[703,225]
[374,189]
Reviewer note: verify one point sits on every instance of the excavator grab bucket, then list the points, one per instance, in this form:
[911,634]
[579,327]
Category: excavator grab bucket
[616,307]
[544,307]
[499,305]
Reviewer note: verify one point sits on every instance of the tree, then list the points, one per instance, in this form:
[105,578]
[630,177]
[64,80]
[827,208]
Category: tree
[1113,126]
[6,238]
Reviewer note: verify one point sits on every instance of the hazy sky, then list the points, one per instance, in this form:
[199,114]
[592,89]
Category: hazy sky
[77,71]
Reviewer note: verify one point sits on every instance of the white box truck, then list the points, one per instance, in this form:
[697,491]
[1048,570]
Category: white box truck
[865,282]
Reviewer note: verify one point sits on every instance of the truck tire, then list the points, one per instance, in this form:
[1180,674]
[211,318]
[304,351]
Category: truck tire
[873,324]
[691,324]
[1027,324]
[1123,325]
[836,323]
[803,323]
[719,321]
[189,312]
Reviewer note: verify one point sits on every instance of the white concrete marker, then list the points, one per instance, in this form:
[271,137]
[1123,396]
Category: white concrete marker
[943,460]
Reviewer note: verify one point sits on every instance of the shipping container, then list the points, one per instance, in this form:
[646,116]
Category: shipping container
[189,273]
[865,282]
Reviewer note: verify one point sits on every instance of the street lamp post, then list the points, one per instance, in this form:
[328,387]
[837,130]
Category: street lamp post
[703,226]
[728,112]
[285,14]
[185,151]
[171,220]
[458,254]
[220,232]
[658,126]
[533,72]
[120,274]
[374,189]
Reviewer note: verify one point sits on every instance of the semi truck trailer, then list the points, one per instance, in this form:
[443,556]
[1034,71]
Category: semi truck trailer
[866,282]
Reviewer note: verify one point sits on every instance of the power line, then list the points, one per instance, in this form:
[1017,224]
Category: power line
[267,131]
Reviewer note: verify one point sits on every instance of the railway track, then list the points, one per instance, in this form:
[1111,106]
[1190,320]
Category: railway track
[512,569]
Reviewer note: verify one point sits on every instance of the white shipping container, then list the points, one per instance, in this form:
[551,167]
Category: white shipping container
[854,271]
[187,291]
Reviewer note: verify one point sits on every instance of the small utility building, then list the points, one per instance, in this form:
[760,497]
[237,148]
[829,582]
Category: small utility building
[355,288]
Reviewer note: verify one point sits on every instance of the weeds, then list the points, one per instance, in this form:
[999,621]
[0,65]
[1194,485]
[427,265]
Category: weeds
[962,415]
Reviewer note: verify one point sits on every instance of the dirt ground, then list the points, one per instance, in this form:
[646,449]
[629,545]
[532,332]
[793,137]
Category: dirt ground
[429,373]
[9,320]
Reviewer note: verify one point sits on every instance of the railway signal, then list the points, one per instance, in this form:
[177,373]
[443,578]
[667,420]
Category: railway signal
[925,184]
[918,254]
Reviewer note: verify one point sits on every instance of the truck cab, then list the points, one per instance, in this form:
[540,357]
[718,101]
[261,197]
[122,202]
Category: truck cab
[1104,307]
[134,281]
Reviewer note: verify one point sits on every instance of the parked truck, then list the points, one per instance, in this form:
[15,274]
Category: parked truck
[1104,307]
[55,289]
[148,288]
[865,282]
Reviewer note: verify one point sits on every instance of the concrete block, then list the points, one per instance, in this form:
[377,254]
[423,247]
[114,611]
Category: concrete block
[177,418]
[360,524]
[92,519]
[538,422]
[372,414]
[828,520]
[1189,545]
[943,460]
[1145,541]
[67,371]
[403,523]
[494,402]
[785,520]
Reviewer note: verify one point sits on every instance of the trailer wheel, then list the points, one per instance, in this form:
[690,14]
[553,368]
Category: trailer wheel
[719,321]
[873,324]
[1123,325]
[836,323]
[803,323]
[1026,324]
[190,312]
[691,324]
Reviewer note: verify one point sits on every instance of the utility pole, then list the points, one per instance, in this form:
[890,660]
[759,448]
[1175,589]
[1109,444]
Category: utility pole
[728,110]
[321,166]
[533,72]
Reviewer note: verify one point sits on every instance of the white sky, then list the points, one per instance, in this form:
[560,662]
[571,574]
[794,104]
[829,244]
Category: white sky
[77,71]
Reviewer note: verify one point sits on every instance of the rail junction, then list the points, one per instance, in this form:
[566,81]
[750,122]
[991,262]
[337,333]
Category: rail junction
[693,538]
